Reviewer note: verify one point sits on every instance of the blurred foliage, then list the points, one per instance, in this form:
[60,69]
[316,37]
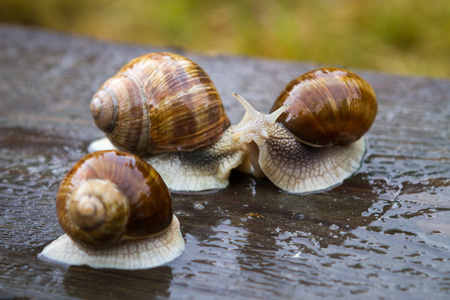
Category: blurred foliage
[396,36]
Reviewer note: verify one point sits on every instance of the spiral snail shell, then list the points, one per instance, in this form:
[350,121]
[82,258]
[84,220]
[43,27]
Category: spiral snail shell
[159,102]
[164,107]
[328,106]
[116,212]
[329,110]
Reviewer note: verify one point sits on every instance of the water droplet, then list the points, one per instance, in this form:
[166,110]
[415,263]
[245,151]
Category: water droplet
[198,206]
[334,227]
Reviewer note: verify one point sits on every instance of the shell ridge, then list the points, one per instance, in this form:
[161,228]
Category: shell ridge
[145,136]
[116,105]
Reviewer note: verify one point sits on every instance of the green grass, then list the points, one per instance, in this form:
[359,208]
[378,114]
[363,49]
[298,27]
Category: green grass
[394,36]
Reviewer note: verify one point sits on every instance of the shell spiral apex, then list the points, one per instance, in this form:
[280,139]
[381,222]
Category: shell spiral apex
[98,205]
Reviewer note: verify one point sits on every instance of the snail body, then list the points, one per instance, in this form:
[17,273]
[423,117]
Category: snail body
[110,204]
[324,149]
[165,108]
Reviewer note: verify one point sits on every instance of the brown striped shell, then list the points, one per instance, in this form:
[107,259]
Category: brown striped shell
[159,102]
[110,196]
[328,106]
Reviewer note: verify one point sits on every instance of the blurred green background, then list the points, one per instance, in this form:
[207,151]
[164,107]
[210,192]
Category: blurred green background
[393,36]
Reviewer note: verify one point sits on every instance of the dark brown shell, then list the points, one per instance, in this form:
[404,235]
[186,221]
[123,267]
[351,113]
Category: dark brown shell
[159,102]
[329,106]
[146,212]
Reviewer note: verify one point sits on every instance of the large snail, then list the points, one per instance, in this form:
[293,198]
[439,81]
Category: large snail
[313,138]
[116,212]
[164,107]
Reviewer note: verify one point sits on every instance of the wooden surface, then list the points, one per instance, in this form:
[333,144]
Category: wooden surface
[384,233]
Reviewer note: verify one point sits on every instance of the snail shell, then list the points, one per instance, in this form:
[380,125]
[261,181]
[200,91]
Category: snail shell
[332,108]
[159,102]
[328,106]
[110,204]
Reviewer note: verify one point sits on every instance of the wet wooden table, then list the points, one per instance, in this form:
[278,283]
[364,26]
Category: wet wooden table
[383,234]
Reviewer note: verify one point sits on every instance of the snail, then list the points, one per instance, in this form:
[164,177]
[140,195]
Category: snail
[116,212]
[165,108]
[313,137]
